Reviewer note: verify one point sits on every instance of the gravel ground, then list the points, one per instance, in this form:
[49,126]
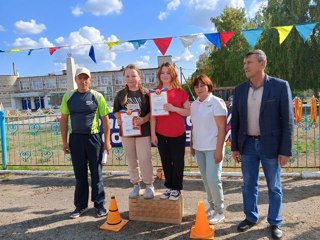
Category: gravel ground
[37,207]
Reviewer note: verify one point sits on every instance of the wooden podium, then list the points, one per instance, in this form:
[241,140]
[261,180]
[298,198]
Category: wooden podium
[156,209]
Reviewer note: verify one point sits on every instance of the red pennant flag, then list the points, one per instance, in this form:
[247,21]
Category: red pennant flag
[225,37]
[53,49]
[162,44]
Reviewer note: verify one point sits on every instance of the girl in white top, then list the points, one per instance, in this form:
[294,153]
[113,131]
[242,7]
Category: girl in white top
[209,119]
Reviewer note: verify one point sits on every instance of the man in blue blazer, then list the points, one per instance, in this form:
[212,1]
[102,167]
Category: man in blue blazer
[262,127]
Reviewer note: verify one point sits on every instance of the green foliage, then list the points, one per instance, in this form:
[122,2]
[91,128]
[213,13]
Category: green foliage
[293,60]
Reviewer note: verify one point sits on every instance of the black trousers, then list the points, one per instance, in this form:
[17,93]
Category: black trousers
[171,150]
[86,150]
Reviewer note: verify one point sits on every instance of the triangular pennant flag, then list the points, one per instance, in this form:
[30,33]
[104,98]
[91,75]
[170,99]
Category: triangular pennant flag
[162,44]
[214,38]
[252,36]
[305,30]
[30,51]
[112,44]
[187,41]
[225,37]
[138,43]
[2,51]
[92,55]
[53,49]
[283,32]
[14,50]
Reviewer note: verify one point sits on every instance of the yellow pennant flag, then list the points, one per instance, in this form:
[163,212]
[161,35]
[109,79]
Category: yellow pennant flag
[283,32]
[112,44]
[14,50]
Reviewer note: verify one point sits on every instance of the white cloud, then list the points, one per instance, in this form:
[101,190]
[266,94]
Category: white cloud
[103,7]
[26,43]
[2,28]
[255,6]
[31,27]
[186,56]
[76,11]
[171,6]
[143,63]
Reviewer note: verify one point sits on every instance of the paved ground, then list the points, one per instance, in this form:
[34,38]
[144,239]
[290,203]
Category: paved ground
[37,207]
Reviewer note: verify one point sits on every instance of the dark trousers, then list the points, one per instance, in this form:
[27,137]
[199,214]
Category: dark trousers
[86,150]
[171,150]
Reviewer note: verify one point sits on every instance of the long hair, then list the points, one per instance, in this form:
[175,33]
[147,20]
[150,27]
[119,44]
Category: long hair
[173,73]
[126,89]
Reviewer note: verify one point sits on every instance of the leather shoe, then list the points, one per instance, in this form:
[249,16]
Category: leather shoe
[276,232]
[245,225]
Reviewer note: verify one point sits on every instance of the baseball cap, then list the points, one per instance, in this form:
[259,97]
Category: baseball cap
[83,70]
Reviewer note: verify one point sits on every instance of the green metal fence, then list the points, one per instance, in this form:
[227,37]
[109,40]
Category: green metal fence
[33,139]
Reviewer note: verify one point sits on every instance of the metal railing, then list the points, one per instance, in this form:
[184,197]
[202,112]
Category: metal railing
[33,139]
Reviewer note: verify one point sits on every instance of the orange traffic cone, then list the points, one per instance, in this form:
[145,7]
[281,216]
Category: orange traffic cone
[202,229]
[114,221]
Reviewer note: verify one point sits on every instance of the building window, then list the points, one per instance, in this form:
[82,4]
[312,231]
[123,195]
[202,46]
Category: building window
[106,80]
[24,84]
[62,82]
[149,78]
[50,83]
[56,99]
[94,80]
[36,84]
[119,79]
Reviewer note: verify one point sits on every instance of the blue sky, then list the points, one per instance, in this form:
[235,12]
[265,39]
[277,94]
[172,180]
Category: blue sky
[35,24]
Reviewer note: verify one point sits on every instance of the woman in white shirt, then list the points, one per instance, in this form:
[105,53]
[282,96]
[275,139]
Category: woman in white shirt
[209,119]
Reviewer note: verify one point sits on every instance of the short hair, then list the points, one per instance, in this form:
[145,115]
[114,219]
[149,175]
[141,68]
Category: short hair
[261,56]
[203,78]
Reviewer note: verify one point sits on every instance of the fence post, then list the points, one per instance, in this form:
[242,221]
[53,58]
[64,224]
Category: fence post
[3,138]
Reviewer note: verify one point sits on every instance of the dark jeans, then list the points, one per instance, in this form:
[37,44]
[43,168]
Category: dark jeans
[86,149]
[171,150]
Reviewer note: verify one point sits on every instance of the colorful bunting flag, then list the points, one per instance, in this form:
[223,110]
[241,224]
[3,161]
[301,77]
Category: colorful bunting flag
[187,41]
[112,44]
[225,37]
[92,55]
[138,43]
[305,30]
[283,32]
[14,50]
[30,51]
[162,44]
[252,36]
[214,38]
[53,49]
[2,51]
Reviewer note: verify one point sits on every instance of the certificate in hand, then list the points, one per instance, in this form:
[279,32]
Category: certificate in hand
[128,126]
[157,99]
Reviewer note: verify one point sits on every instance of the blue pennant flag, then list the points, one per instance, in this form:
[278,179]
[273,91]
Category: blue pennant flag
[91,54]
[305,30]
[214,38]
[252,36]
[30,51]
[138,43]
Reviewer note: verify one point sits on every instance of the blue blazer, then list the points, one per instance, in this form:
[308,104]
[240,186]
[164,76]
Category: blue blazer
[275,120]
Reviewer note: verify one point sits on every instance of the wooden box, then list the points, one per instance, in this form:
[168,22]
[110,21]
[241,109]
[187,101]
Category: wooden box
[156,209]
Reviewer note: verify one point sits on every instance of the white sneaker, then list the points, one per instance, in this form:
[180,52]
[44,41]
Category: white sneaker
[209,212]
[216,218]
[166,194]
[148,192]
[174,195]
[135,191]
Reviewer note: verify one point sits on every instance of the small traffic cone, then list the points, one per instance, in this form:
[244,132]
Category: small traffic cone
[114,221]
[202,229]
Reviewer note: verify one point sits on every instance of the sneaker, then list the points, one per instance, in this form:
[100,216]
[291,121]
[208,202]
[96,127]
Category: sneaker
[209,212]
[77,212]
[135,191]
[101,212]
[174,195]
[216,218]
[149,192]
[166,194]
